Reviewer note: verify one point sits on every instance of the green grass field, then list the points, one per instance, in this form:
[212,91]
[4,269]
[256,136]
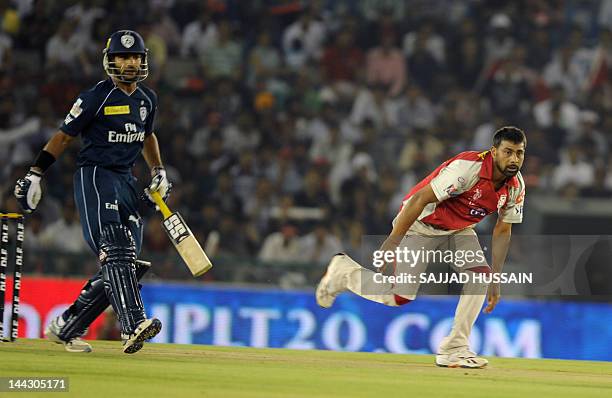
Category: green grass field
[169,370]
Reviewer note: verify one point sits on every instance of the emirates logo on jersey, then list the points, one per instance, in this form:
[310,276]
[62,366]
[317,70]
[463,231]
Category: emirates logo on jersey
[126,138]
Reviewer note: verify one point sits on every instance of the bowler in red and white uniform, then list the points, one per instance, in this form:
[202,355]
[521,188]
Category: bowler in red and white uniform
[439,213]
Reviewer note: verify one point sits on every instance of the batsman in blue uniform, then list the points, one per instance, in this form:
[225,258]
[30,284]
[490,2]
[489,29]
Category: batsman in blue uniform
[115,122]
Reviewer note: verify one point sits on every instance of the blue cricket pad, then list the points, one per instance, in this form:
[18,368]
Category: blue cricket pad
[118,255]
[90,304]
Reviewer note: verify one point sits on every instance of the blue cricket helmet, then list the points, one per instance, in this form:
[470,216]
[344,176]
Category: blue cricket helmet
[125,42]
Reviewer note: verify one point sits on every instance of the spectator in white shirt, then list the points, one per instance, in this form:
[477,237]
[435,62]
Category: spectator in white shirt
[282,246]
[573,170]
[499,43]
[562,72]
[331,147]
[569,112]
[433,43]
[263,60]
[319,245]
[199,35]
[303,40]
[373,104]
[415,110]
[224,58]
[85,14]
[64,49]
[241,135]
[64,235]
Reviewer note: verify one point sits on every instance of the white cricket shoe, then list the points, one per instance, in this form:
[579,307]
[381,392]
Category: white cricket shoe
[76,344]
[333,281]
[146,330]
[462,359]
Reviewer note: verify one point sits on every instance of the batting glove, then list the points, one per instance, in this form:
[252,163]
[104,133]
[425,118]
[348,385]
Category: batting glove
[28,191]
[159,183]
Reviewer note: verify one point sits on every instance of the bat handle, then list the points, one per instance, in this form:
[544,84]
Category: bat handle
[11,215]
[161,204]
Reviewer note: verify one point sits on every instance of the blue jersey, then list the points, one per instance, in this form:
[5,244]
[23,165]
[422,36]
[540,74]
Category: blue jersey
[112,124]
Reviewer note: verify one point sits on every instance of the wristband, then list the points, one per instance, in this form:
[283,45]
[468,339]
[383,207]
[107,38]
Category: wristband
[44,160]
[35,173]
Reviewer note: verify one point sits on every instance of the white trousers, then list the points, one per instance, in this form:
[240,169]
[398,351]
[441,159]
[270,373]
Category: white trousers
[367,283]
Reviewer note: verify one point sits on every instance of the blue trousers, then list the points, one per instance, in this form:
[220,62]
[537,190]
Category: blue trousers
[104,196]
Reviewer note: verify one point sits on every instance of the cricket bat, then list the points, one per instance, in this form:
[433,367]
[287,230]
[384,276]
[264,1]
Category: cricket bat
[182,238]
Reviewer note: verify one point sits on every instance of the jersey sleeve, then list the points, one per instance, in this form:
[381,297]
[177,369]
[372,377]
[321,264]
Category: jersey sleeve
[512,211]
[453,180]
[149,123]
[81,114]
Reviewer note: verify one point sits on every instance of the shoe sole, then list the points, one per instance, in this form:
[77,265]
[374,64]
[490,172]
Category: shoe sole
[148,333]
[319,287]
[461,366]
[134,348]
[458,366]
[323,281]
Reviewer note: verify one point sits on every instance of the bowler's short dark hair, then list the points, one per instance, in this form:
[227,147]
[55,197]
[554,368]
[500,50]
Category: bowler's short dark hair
[509,133]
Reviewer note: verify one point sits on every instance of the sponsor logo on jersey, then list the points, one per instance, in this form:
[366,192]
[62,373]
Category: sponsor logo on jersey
[451,190]
[477,195]
[127,138]
[501,201]
[111,206]
[75,111]
[478,212]
[117,110]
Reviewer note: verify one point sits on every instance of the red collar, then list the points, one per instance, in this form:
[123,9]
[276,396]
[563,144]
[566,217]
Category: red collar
[486,171]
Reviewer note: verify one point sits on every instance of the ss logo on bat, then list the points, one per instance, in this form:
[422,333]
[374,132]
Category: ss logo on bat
[176,227]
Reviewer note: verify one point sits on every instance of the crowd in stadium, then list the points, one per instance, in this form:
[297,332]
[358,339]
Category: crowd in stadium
[291,129]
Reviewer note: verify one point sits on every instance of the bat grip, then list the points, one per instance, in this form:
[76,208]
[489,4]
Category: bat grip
[11,215]
[160,203]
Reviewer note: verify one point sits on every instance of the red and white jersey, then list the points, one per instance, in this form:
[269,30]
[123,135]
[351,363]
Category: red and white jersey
[466,193]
